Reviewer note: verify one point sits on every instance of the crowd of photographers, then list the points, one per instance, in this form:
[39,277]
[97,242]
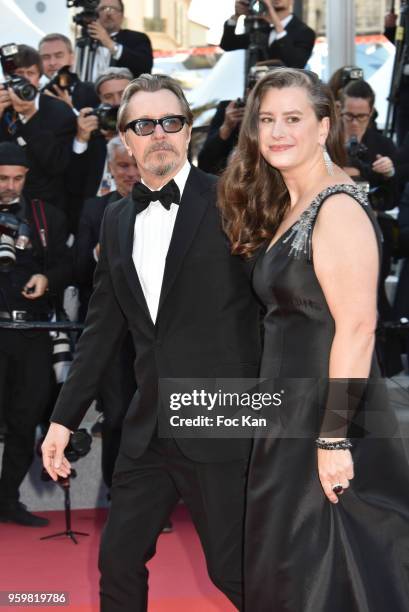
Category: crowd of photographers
[62,163]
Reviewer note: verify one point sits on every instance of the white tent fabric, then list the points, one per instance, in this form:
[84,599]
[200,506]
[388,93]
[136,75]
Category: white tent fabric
[16,27]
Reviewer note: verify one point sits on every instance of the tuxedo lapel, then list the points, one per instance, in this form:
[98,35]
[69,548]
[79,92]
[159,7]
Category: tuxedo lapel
[126,226]
[192,208]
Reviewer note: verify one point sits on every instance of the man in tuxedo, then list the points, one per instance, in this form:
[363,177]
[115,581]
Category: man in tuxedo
[165,273]
[56,52]
[88,165]
[118,47]
[45,127]
[290,40]
[88,173]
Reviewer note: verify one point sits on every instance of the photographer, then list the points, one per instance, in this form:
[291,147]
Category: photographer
[223,133]
[290,40]
[222,136]
[35,267]
[124,48]
[45,127]
[125,173]
[370,153]
[119,384]
[56,53]
[370,159]
[88,172]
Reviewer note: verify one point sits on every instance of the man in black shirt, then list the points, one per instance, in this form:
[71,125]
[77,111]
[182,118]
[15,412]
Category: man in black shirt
[56,52]
[118,47]
[371,155]
[35,267]
[44,127]
[371,159]
[290,40]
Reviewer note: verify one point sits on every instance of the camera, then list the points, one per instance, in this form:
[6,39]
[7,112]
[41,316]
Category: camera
[257,8]
[14,234]
[88,14]
[21,86]
[107,117]
[356,149]
[79,445]
[65,79]
[351,73]
[357,153]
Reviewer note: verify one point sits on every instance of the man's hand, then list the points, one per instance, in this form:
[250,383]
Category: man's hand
[98,32]
[272,17]
[27,109]
[233,116]
[35,287]
[5,100]
[52,448]
[86,124]
[60,94]
[383,165]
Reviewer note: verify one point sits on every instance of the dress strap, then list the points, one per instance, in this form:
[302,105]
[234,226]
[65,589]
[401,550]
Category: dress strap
[300,235]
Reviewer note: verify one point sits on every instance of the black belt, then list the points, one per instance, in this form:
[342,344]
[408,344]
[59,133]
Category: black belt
[24,315]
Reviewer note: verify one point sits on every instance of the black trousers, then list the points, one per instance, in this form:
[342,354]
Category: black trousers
[144,493]
[25,376]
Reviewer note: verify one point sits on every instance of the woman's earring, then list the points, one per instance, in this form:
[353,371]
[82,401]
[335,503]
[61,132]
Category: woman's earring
[328,161]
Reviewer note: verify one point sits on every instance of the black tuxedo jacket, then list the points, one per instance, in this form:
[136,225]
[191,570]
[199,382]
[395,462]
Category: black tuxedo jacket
[137,52]
[294,49]
[48,136]
[215,151]
[88,237]
[207,324]
[84,172]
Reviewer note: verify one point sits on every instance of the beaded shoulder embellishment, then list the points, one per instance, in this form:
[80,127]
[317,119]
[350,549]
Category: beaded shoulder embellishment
[300,234]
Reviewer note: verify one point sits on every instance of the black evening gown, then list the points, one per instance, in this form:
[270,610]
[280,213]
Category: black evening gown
[302,553]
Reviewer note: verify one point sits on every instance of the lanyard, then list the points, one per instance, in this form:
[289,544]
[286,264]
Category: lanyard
[42,228]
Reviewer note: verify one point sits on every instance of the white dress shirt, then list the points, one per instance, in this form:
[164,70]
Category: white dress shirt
[103,58]
[152,236]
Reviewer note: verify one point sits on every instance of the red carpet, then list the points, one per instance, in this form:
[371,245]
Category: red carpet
[178,578]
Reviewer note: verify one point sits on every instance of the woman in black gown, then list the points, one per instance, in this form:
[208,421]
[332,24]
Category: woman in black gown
[327,529]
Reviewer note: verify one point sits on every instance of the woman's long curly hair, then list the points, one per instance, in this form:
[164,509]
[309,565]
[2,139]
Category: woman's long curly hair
[252,195]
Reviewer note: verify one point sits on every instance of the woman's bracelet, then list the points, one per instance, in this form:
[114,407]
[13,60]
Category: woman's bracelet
[339,445]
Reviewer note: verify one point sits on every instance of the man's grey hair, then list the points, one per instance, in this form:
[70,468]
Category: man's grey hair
[114,144]
[152,83]
[112,74]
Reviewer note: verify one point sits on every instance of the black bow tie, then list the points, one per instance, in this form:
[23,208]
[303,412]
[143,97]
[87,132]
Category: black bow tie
[143,196]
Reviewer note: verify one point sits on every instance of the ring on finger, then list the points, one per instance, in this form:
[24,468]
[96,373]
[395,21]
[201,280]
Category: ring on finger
[337,488]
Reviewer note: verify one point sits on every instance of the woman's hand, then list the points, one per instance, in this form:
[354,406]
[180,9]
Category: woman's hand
[335,467]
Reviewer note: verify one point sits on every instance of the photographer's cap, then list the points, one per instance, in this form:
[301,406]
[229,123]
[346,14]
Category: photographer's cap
[12,155]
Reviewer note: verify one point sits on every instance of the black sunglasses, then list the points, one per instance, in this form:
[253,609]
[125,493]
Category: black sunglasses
[144,127]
